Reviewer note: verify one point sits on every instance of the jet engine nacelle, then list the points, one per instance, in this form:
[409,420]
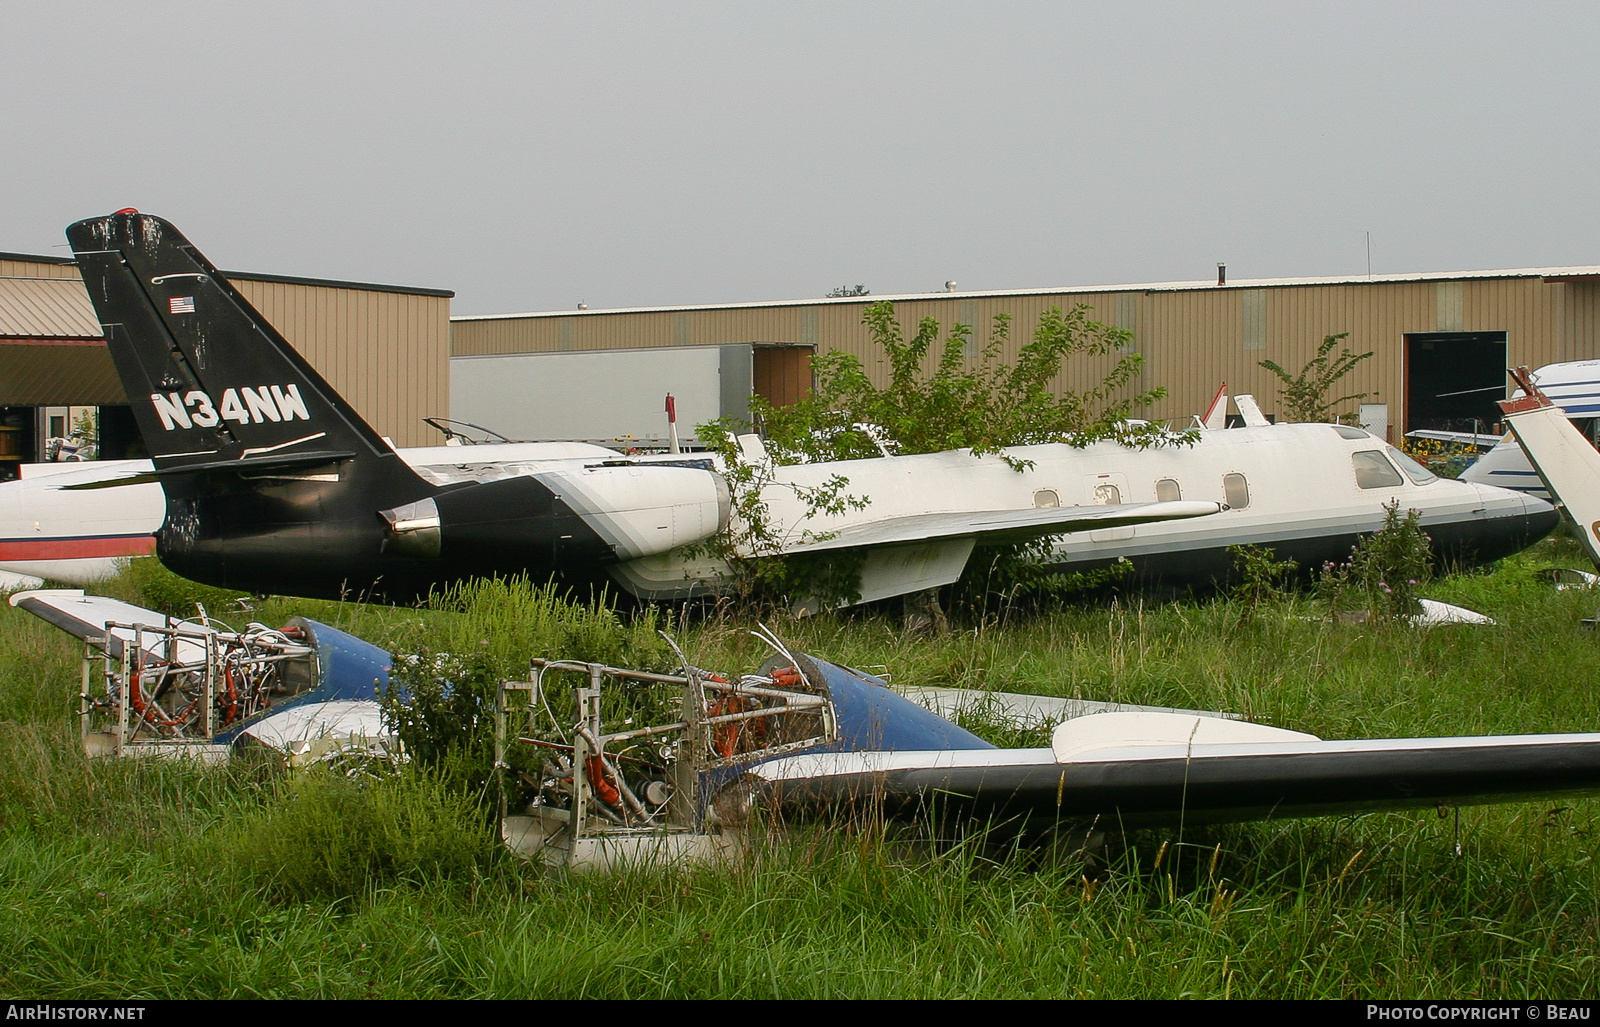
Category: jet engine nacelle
[630,510]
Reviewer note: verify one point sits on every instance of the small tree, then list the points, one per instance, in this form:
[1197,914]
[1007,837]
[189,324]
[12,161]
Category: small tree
[981,404]
[1305,395]
[840,291]
[1264,579]
[1385,569]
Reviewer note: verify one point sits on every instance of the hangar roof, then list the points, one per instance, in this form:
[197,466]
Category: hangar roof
[1586,273]
[46,308]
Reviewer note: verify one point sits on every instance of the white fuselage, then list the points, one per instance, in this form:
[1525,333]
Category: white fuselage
[1294,487]
[88,536]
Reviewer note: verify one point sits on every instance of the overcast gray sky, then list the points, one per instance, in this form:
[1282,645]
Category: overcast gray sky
[533,155]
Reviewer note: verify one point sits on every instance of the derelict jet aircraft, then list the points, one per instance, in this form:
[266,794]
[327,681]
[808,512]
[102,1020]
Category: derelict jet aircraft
[273,483]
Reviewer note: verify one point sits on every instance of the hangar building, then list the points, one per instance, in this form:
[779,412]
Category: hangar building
[1442,341]
[385,348]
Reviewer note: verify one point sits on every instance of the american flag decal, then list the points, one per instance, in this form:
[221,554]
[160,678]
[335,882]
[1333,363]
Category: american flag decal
[180,305]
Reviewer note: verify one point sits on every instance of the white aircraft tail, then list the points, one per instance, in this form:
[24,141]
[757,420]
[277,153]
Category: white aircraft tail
[1253,417]
[1216,415]
[1566,461]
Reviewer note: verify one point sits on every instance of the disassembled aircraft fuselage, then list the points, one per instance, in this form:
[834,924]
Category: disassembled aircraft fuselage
[153,685]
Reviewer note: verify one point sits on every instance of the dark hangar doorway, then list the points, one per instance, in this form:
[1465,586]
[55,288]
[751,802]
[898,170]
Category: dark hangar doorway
[1453,380]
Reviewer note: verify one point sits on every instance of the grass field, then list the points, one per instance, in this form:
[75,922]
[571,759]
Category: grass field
[174,881]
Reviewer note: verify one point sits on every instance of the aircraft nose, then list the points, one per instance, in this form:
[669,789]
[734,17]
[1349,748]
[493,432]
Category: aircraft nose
[1516,520]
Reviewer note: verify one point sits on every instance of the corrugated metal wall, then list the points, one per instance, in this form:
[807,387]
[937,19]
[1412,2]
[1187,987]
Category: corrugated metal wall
[1192,338]
[388,353]
[16,267]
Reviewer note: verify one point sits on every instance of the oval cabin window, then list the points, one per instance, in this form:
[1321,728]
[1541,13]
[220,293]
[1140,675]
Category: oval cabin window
[1046,499]
[1235,491]
[1107,495]
[1167,491]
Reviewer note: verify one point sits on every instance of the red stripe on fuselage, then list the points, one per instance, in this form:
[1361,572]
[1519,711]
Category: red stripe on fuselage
[18,550]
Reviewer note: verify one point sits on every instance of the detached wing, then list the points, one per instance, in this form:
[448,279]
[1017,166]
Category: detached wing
[1138,769]
[998,527]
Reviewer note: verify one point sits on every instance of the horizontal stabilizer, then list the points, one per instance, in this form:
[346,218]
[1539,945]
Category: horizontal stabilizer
[86,617]
[1250,412]
[256,466]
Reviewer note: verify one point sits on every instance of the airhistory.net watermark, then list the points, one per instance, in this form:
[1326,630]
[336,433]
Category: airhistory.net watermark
[71,1011]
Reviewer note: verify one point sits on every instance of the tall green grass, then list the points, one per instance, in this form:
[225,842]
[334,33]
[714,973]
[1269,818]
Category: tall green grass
[174,880]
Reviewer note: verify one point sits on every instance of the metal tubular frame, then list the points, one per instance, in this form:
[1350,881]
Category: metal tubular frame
[121,683]
[580,813]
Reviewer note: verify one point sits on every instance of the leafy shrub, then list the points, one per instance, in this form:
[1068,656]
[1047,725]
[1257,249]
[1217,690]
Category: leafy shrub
[1305,395]
[1385,569]
[1263,578]
[445,676]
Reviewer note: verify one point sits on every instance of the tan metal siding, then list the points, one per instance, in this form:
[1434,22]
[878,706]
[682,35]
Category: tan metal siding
[1580,320]
[46,308]
[13,268]
[1192,338]
[388,353]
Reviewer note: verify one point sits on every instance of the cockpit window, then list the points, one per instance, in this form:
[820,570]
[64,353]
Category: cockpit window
[1415,471]
[1347,432]
[1373,471]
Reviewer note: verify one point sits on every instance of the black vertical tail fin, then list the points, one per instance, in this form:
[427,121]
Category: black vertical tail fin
[273,481]
[209,378]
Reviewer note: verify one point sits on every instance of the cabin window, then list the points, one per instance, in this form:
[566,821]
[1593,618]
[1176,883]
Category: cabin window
[1107,495]
[1046,499]
[1167,491]
[1347,432]
[1235,491]
[1373,471]
[1415,471]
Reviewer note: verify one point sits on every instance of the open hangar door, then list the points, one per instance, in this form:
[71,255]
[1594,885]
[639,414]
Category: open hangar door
[781,372]
[1453,380]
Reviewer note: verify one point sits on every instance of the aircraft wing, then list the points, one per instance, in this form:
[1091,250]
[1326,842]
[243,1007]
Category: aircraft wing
[997,527]
[1139,769]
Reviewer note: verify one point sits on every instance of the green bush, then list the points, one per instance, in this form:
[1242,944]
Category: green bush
[442,688]
[161,590]
[1385,570]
